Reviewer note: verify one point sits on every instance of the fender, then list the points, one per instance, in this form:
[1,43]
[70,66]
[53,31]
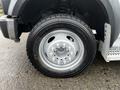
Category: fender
[112,7]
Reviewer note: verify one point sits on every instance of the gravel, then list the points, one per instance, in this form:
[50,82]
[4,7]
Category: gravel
[17,73]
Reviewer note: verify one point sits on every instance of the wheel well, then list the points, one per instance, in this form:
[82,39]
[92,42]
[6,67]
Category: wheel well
[92,12]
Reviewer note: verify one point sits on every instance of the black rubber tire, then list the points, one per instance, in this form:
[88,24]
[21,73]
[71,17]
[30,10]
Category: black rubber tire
[47,25]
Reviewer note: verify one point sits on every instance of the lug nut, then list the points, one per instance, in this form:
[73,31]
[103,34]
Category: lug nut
[58,45]
[71,53]
[69,48]
[53,58]
[50,53]
[69,58]
[52,48]
[64,45]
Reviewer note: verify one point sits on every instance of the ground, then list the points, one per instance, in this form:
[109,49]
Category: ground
[17,73]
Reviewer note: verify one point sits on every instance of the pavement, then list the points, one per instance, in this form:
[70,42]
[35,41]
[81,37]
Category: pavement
[17,73]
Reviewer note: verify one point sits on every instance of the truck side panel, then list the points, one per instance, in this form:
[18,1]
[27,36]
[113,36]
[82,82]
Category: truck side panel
[116,8]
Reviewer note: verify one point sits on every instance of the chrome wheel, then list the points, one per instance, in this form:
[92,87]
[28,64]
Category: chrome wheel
[61,51]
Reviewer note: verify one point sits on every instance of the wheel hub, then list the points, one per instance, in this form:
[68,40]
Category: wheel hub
[61,50]
[61,53]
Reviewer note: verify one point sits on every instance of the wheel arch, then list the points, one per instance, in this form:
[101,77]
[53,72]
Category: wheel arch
[106,5]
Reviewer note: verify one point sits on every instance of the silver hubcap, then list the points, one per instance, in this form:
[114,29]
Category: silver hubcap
[61,51]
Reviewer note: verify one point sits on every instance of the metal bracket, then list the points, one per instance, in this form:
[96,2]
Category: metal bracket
[94,32]
[11,26]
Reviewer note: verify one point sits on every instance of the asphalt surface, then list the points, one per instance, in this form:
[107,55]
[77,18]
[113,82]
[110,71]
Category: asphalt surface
[17,73]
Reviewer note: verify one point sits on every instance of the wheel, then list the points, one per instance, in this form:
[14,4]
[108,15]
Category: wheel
[61,46]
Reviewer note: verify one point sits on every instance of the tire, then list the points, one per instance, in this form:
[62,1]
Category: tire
[47,38]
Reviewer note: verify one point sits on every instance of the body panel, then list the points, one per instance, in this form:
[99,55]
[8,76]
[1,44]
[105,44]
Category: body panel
[116,9]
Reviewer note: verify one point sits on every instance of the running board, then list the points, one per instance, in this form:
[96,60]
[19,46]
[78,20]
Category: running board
[110,53]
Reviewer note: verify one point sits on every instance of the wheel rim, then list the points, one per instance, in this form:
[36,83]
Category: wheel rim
[61,51]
